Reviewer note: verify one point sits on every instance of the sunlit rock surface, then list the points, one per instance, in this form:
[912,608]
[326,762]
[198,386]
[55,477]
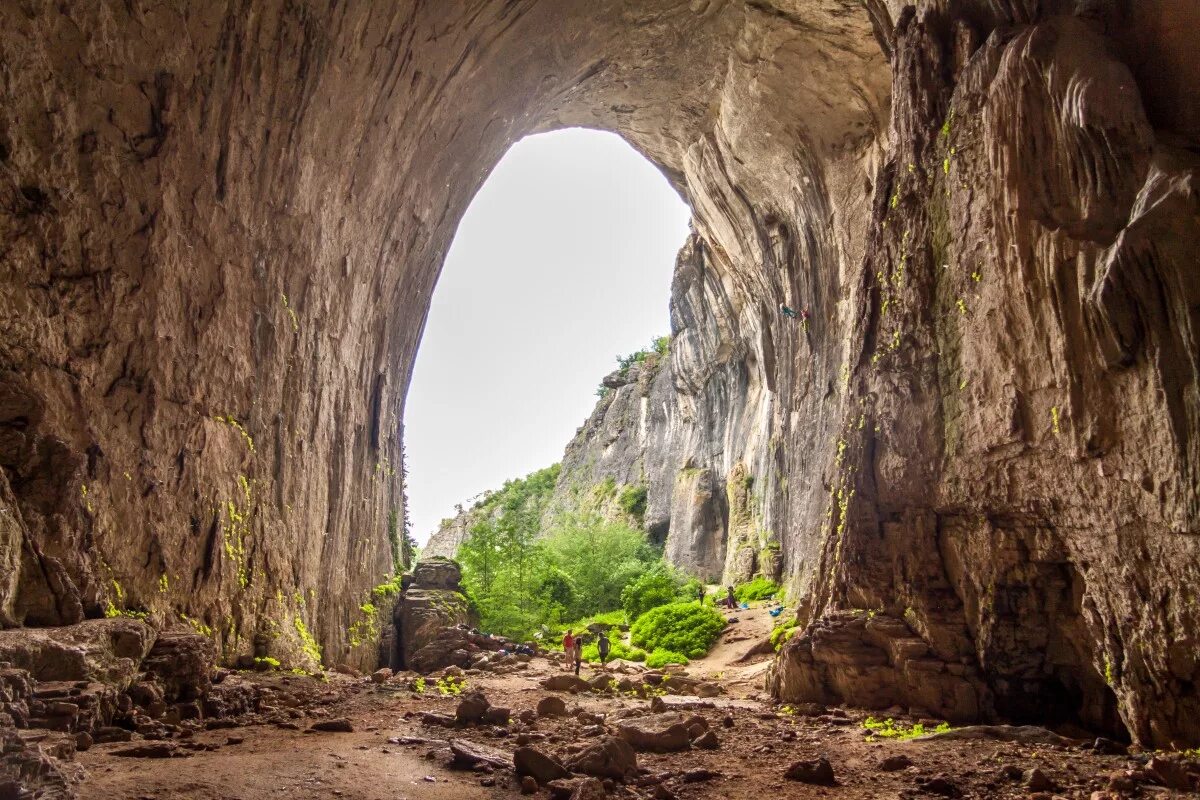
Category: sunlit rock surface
[221,227]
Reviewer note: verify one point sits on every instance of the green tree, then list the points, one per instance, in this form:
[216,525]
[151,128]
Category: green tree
[602,558]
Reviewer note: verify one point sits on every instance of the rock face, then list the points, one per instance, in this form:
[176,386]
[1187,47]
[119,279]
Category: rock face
[103,650]
[429,620]
[221,230]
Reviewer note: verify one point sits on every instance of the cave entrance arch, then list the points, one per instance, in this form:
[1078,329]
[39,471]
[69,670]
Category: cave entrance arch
[563,258]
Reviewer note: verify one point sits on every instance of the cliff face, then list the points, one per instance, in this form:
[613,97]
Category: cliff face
[220,226]
[690,430]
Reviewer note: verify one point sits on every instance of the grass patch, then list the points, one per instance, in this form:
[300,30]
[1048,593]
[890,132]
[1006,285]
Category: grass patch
[890,729]
[661,657]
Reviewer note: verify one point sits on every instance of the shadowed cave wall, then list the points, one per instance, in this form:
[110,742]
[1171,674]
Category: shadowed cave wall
[220,225]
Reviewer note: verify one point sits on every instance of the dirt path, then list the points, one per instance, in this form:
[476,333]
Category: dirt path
[278,763]
[756,744]
[727,662]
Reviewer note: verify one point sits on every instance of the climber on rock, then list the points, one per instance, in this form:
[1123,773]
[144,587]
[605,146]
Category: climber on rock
[787,312]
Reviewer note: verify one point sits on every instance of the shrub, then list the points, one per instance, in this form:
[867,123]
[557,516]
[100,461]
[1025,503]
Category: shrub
[661,657]
[780,635]
[622,650]
[758,589]
[611,619]
[656,587]
[633,501]
[686,628]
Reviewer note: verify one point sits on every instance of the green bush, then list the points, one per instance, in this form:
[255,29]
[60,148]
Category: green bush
[686,628]
[611,619]
[780,635]
[602,558]
[633,501]
[661,657]
[656,587]
[622,650]
[758,589]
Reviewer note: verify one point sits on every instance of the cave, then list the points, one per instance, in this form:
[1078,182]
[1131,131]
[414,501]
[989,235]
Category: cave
[221,225]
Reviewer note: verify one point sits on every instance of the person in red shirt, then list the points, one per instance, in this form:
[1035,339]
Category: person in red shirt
[569,648]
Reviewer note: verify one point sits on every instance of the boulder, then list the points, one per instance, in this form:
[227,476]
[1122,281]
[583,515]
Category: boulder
[182,661]
[589,789]
[381,675]
[601,683]
[563,788]
[656,734]
[706,741]
[817,772]
[468,755]
[436,573]
[566,682]
[426,641]
[941,784]
[471,708]
[895,763]
[551,706]
[496,715]
[339,725]
[104,650]
[1170,773]
[610,757]
[543,768]
[151,750]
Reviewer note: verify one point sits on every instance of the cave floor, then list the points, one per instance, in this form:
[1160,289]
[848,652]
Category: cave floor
[273,761]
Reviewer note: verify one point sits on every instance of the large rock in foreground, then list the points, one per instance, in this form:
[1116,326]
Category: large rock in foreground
[103,650]
[874,661]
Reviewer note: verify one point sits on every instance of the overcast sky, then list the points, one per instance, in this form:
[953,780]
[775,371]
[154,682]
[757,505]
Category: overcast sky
[562,261]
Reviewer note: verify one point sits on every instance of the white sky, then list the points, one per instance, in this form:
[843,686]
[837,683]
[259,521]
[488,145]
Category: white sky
[562,261]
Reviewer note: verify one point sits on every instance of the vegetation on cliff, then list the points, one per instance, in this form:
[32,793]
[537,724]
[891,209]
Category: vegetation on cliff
[528,576]
[659,347]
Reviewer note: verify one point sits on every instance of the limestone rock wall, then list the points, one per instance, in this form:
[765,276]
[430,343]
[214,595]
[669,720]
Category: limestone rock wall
[1017,481]
[220,225]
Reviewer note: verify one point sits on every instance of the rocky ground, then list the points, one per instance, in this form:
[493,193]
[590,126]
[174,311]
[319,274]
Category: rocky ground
[520,726]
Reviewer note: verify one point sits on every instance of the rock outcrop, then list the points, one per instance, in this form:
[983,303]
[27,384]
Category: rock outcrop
[429,621]
[220,231]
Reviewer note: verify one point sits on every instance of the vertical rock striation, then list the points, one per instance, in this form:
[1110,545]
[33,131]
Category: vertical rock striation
[220,225]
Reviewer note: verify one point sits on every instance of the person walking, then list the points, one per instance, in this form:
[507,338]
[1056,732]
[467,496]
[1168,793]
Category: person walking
[578,652]
[604,646]
[730,599]
[569,647]
[702,591]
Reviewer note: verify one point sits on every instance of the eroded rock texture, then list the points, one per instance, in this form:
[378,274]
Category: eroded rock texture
[422,634]
[221,224]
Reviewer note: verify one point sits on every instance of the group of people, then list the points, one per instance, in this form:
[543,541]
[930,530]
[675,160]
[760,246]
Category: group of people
[573,643]
[573,647]
[729,602]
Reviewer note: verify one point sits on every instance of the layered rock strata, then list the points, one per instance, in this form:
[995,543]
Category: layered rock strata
[424,633]
[220,228]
